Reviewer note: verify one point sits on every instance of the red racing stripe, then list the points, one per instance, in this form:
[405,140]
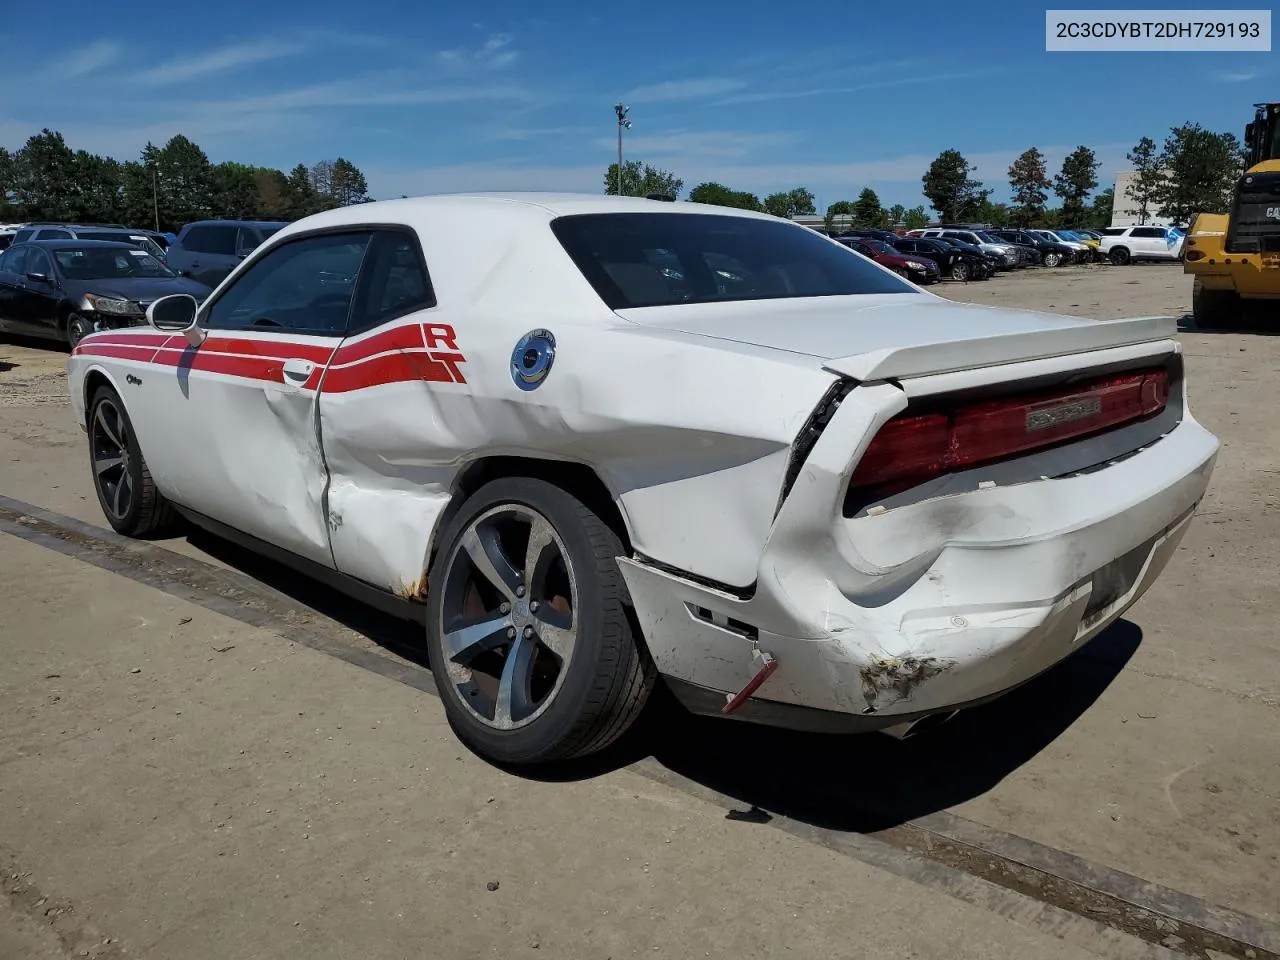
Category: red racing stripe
[405,337]
[267,349]
[116,351]
[393,368]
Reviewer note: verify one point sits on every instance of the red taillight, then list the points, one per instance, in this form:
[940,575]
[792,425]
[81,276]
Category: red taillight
[915,448]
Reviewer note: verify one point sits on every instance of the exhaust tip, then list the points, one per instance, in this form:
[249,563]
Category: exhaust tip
[901,731]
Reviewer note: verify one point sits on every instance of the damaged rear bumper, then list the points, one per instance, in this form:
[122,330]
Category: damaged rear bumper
[865,639]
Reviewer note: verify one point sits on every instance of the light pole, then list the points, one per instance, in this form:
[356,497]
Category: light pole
[623,123]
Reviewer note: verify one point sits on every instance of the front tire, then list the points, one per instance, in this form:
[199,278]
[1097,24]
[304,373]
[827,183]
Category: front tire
[77,329]
[528,627]
[1120,256]
[1052,259]
[961,271]
[1214,309]
[127,494]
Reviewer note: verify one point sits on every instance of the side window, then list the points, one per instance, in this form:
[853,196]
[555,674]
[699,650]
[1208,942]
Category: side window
[22,236]
[53,235]
[193,240]
[393,282]
[12,259]
[247,239]
[1148,232]
[302,286]
[221,240]
[38,262]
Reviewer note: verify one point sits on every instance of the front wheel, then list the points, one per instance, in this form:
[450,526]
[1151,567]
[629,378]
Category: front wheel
[126,492]
[77,329]
[1052,259]
[961,271]
[1120,256]
[528,627]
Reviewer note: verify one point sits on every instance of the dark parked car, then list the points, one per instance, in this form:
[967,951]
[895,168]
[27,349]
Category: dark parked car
[915,269]
[142,239]
[951,261]
[1051,254]
[208,250]
[63,289]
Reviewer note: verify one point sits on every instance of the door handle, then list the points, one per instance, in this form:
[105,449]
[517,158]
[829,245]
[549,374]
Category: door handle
[298,372]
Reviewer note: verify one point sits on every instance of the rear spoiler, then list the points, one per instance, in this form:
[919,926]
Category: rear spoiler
[951,355]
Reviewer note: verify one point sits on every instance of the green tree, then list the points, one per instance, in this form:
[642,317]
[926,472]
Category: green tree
[1100,212]
[897,213]
[790,203]
[778,204]
[995,214]
[272,188]
[300,198]
[185,182]
[867,211]
[44,177]
[952,192]
[1148,179]
[915,218]
[1074,182]
[234,193]
[347,184]
[1203,169]
[1030,183]
[641,179]
[7,210]
[802,202]
[99,187]
[721,196]
[841,208]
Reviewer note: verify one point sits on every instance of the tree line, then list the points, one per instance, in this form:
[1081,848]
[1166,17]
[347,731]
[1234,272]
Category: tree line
[1194,171]
[165,187]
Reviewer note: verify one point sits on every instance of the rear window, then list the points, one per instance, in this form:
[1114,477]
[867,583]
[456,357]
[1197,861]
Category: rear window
[662,259]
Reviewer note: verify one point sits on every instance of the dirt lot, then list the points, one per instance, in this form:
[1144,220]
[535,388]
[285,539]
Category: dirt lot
[204,757]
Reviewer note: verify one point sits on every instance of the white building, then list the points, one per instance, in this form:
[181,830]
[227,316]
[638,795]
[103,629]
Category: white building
[1125,210]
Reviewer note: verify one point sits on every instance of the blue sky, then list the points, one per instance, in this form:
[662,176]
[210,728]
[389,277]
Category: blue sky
[761,96]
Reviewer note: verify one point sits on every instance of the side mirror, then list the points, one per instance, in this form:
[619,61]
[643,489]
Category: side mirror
[177,314]
[39,278]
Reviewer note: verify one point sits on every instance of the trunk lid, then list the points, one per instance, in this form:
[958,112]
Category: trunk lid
[900,335]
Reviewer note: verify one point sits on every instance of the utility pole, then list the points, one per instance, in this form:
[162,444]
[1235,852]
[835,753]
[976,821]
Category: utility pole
[623,123]
[155,198]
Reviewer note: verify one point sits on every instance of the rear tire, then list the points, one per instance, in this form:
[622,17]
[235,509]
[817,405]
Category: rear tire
[1052,259]
[127,494]
[1215,309]
[961,271]
[532,650]
[1120,256]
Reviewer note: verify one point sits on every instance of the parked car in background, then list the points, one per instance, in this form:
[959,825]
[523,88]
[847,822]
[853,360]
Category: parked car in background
[915,269]
[481,430]
[115,233]
[1143,243]
[63,289]
[1002,255]
[1050,252]
[1084,253]
[951,261]
[986,264]
[208,250]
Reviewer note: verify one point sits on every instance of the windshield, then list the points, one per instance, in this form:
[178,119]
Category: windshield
[879,246]
[137,240]
[108,263]
[988,238]
[663,259]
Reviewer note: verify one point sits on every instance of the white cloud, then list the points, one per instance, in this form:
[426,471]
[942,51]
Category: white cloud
[90,59]
[694,89]
[900,81]
[494,54]
[698,143]
[1236,76]
[216,61]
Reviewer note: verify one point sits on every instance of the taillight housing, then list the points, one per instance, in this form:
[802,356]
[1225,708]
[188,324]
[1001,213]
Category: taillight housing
[913,448]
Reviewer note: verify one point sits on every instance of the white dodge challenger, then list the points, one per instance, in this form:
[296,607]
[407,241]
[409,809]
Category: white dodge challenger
[594,441]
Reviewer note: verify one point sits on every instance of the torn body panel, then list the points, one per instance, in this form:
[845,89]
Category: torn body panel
[937,603]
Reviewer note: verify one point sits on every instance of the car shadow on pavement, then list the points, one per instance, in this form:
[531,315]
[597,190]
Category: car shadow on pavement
[860,783]
[867,782]
[1256,322]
